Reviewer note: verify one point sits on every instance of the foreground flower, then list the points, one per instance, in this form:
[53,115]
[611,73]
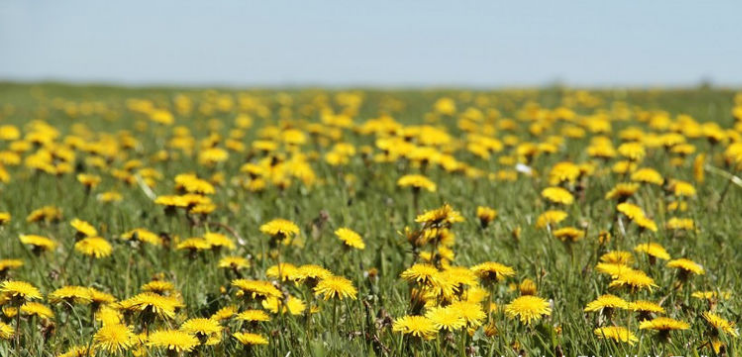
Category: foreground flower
[664,325]
[6,331]
[491,272]
[718,323]
[446,318]
[528,309]
[416,182]
[250,339]
[114,338]
[350,238]
[616,333]
[607,302]
[335,287]
[486,215]
[20,290]
[280,227]
[95,247]
[686,266]
[440,217]
[172,340]
[208,331]
[417,326]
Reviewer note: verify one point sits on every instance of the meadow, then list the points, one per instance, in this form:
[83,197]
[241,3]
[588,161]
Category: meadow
[314,222]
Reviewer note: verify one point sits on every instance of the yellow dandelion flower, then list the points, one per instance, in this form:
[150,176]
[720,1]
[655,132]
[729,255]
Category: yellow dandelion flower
[558,195]
[256,288]
[417,182]
[335,287]
[37,309]
[440,217]
[84,228]
[6,331]
[617,257]
[417,326]
[446,318]
[550,217]
[422,274]
[172,340]
[616,333]
[663,324]
[687,266]
[114,338]
[634,279]
[20,290]
[653,250]
[528,309]
[492,271]
[720,324]
[71,294]
[569,234]
[486,215]
[350,238]
[95,247]
[607,302]
[38,243]
[280,227]
[250,339]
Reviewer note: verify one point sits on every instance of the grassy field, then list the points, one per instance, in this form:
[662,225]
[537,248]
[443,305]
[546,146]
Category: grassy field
[165,222]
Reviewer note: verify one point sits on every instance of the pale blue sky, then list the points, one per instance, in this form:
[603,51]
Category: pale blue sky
[372,43]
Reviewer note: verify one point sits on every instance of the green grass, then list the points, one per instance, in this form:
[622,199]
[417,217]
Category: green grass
[371,204]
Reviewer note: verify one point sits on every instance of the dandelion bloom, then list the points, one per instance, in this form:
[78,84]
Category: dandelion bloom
[335,287]
[142,235]
[114,338]
[257,288]
[635,279]
[492,271]
[38,243]
[280,227]
[646,307]
[423,274]
[6,331]
[617,257]
[417,326]
[207,330]
[616,333]
[20,290]
[528,309]
[569,234]
[446,318]
[84,228]
[720,324]
[95,247]
[37,309]
[350,238]
[470,311]
[647,175]
[443,216]
[686,266]
[622,191]
[253,316]
[550,217]
[147,302]
[250,339]
[607,302]
[71,294]
[172,340]
[8,264]
[486,215]
[217,240]
[663,324]
[234,262]
[558,195]
[416,182]
[653,250]
[291,304]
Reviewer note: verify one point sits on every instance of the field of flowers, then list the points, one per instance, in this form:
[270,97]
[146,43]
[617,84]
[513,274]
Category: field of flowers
[191,222]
